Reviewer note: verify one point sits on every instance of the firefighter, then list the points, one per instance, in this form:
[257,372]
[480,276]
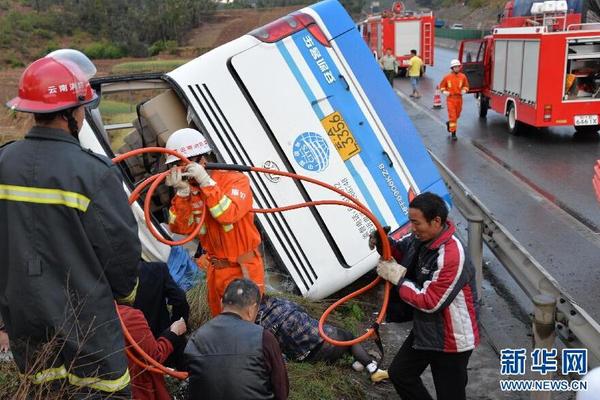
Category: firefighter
[454,85]
[68,239]
[228,234]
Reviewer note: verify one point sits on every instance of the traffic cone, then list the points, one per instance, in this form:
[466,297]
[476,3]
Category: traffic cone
[437,98]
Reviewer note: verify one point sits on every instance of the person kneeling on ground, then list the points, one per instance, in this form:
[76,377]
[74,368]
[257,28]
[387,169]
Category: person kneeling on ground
[230,357]
[298,335]
[156,290]
[148,385]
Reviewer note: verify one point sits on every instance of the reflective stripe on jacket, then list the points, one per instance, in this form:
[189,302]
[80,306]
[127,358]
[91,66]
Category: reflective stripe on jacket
[68,247]
[454,83]
[229,230]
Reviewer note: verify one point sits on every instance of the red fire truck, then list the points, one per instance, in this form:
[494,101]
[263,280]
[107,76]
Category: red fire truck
[540,67]
[401,31]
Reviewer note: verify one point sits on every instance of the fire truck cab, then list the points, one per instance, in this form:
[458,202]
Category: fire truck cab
[540,67]
[401,31]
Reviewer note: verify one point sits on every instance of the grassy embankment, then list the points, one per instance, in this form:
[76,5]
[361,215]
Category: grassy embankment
[307,381]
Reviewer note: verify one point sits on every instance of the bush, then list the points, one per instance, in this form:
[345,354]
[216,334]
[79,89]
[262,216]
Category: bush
[135,67]
[13,61]
[156,48]
[104,50]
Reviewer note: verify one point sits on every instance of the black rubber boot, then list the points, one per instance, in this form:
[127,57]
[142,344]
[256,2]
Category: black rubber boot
[448,126]
[454,136]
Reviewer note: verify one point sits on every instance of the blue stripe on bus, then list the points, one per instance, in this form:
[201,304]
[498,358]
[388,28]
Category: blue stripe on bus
[334,16]
[400,128]
[320,114]
[343,101]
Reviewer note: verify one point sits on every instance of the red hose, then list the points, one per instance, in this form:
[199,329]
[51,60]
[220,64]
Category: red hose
[154,366]
[154,181]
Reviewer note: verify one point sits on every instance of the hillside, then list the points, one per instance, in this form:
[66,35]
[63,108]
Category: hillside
[216,29]
[481,15]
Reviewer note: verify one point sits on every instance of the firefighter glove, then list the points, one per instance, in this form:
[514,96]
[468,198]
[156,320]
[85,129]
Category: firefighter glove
[391,271]
[175,180]
[463,91]
[199,173]
[375,240]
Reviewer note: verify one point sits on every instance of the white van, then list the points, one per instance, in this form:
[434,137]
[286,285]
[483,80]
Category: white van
[301,94]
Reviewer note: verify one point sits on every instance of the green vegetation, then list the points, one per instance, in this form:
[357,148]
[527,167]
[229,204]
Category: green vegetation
[147,66]
[9,381]
[324,382]
[168,46]
[116,27]
[104,50]
[114,112]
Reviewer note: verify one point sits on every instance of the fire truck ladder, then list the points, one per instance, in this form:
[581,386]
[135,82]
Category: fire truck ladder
[427,32]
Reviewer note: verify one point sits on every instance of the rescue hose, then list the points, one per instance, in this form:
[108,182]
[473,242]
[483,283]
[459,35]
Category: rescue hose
[154,366]
[155,180]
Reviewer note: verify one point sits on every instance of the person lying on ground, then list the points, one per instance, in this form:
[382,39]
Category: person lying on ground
[148,385]
[298,335]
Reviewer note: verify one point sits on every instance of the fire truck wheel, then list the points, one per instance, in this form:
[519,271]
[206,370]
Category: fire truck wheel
[514,127]
[484,105]
[587,130]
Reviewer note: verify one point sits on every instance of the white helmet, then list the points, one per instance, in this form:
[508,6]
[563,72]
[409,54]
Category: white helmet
[188,142]
[454,63]
[593,386]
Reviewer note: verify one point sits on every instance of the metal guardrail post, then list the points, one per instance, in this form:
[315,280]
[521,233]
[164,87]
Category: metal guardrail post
[577,328]
[475,246]
[544,333]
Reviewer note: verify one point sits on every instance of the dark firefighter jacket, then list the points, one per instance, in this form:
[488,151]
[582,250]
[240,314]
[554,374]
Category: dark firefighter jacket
[68,247]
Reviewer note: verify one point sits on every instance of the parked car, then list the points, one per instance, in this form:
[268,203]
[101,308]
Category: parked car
[457,26]
[439,23]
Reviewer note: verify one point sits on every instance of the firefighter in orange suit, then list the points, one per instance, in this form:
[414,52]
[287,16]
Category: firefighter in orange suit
[454,85]
[228,234]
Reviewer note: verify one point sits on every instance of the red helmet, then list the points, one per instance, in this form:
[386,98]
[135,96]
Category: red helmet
[49,85]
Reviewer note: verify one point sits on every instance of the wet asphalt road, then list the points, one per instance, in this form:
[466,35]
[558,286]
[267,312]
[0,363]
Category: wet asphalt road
[538,184]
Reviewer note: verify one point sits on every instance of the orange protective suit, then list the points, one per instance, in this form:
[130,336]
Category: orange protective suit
[456,84]
[228,234]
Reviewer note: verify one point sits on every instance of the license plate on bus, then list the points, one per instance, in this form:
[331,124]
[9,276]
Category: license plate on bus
[585,120]
[340,135]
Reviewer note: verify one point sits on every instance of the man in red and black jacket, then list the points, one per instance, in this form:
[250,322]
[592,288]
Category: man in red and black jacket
[432,278]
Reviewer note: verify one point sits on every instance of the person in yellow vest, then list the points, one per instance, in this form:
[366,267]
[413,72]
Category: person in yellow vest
[415,70]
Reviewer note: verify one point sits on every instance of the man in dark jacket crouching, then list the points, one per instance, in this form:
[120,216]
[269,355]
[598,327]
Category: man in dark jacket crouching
[230,357]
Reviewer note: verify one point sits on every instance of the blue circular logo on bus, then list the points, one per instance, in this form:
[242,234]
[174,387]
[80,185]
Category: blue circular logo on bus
[311,151]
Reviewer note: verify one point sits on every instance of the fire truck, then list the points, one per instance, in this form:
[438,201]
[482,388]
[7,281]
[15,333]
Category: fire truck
[540,67]
[401,31]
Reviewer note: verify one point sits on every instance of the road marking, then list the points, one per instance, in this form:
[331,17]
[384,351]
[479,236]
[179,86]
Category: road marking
[585,228]
[420,107]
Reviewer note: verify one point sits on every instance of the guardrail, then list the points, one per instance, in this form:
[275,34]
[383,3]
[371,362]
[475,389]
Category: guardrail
[574,326]
[460,34]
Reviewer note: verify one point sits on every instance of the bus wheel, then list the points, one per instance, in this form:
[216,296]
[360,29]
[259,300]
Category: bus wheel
[514,127]
[587,130]
[484,105]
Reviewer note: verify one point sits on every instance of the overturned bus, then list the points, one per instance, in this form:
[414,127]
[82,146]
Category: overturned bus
[301,94]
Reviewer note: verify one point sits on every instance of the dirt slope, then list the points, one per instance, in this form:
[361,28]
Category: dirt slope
[222,27]
[227,25]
